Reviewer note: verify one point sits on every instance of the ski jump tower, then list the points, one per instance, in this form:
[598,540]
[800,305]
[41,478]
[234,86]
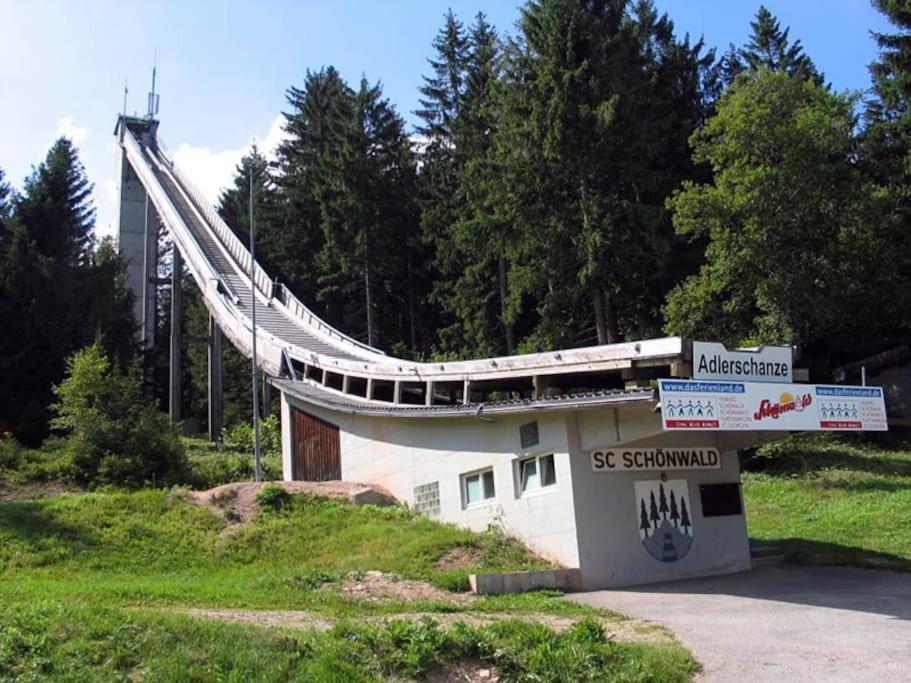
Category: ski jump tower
[567,449]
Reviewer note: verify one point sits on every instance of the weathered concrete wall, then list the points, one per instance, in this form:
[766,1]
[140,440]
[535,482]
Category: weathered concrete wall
[131,237]
[611,551]
[401,454]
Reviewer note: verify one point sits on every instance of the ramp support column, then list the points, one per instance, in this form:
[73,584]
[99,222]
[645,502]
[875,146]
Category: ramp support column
[216,391]
[267,396]
[174,397]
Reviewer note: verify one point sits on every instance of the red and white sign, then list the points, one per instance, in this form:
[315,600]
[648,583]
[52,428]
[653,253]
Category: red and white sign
[746,406]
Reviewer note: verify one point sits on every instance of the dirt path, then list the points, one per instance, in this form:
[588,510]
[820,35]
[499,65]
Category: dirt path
[630,630]
[238,500]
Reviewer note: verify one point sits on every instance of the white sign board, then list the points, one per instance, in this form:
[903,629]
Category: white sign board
[767,364]
[746,406]
[669,458]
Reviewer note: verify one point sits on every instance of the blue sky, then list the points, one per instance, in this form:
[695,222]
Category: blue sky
[223,67]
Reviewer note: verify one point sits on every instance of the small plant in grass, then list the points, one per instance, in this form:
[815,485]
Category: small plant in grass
[273,497]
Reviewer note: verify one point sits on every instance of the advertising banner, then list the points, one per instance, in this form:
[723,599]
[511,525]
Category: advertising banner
[746,406]
[712,360]
[644,459]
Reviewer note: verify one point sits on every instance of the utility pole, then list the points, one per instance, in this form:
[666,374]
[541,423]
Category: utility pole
[256,452]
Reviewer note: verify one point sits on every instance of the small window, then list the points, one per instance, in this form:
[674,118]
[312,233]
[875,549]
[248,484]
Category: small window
[478,487]
[537,472]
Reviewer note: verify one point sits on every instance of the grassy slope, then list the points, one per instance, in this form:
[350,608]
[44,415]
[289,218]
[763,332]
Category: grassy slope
[822,498]
[83,580]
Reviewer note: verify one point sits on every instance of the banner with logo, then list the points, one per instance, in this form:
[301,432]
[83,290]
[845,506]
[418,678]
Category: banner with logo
[747,406]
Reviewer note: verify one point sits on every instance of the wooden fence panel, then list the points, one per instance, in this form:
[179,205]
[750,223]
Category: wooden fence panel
[316,449]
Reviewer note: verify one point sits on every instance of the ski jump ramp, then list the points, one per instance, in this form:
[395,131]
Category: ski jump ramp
[295,345]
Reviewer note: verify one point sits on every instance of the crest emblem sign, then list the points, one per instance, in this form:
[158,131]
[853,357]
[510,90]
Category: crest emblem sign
[665,518]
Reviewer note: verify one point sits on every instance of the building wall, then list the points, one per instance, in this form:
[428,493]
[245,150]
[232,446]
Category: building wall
[611,552]
[402,454]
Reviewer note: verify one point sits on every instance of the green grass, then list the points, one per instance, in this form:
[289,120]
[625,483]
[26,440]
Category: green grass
[89,585]
[207,464]
[81,644]
[829,499]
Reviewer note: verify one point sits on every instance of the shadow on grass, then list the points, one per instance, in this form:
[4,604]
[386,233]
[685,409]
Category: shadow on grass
[31,523]
[808,454]
[803,551]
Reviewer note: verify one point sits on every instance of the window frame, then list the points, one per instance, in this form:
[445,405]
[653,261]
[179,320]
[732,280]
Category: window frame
[521,461]
[485,499]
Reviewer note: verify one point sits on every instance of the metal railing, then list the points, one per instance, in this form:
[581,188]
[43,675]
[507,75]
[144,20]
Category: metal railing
[241,256]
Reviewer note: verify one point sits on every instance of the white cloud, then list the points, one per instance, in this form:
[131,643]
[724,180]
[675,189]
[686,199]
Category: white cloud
[107,205]
[68,129]
[213,170]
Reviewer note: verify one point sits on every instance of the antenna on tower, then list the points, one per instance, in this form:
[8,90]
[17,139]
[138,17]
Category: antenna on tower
[153,98]
[126,90]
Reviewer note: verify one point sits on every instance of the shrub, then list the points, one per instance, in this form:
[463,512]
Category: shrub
[210,465]
[240,436]
[273,497]
[114,433]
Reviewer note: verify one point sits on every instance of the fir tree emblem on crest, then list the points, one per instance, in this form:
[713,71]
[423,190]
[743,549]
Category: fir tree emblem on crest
[665,518]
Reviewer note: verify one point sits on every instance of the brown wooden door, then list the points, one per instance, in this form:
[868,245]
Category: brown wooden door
[315,448]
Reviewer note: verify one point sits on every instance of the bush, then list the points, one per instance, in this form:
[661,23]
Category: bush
[273,497]
[114,433]
[210,465]
[240,436]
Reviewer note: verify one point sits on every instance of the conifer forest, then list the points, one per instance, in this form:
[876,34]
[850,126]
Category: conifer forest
[586,177]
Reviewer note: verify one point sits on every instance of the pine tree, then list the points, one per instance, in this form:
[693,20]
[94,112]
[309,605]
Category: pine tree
[467,237]
[770,48]
[653,515]
[443,92]
[675,514]
[369,222]
[887,138]
[644,524]
[662,501]
[57,291]
[56,205]
[582,175]
[684,516]
[6,193]
[301,159]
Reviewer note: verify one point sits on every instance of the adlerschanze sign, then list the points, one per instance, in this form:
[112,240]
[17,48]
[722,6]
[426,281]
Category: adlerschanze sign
[644,459]
[746,406]
[767,364]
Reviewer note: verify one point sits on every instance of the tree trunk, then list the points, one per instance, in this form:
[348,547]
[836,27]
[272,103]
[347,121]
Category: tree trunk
[510,333]
[412,330]
[613,326]
[600,322]
[368,294]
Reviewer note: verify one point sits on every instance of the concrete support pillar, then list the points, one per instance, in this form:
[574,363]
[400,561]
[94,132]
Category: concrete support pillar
[216,390]
[466,392]
[267,396]
[174,400]
[428,399]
